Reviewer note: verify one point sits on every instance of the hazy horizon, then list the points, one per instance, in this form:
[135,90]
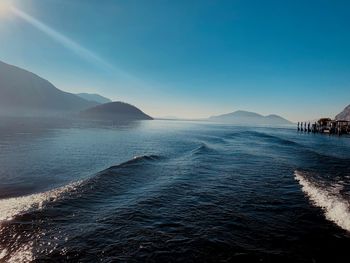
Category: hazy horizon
[188,59]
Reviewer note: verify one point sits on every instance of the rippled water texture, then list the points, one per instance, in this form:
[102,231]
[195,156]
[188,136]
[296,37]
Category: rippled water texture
[166,191]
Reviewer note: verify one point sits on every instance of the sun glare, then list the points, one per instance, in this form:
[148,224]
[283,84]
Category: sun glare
[5,7]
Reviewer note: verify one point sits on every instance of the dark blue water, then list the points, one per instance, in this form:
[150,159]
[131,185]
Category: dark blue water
[167,191]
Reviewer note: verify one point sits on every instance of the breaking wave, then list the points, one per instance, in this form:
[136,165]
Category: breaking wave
[335,207]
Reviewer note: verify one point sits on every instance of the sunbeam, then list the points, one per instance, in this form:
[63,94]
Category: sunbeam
[69,43]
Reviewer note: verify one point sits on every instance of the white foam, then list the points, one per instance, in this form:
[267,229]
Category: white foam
[3,253]
[17,205]
[335,207]
[11,207]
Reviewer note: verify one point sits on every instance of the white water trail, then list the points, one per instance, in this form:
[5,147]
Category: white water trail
[334,206]
[17,205]
[11,207]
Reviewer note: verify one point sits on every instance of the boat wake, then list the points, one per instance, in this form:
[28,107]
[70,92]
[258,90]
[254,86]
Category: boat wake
[328,198]
[19,242]
[18,205]
[11,207]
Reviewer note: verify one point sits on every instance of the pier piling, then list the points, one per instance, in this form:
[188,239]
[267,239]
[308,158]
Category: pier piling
[325,125]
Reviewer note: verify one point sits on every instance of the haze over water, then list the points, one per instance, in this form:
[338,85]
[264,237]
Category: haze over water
[165,191]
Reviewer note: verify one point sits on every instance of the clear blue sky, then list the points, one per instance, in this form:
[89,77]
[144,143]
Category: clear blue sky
[189,58]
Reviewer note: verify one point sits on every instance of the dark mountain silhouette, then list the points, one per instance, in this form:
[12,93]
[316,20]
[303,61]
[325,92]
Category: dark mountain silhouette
[24,93]
[246,117]
[116,111]
[344,115]
[94,97]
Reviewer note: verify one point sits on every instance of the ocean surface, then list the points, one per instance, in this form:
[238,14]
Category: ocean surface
[171,191]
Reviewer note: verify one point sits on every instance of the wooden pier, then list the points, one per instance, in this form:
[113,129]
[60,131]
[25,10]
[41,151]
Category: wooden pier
[327,126]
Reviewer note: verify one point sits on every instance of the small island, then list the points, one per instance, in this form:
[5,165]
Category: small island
[115,111]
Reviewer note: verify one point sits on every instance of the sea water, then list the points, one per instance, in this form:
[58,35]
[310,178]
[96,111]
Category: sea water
[166,191]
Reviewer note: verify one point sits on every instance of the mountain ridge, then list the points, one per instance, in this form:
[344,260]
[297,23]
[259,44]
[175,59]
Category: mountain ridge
[22,91]
[94,97]
[344,115]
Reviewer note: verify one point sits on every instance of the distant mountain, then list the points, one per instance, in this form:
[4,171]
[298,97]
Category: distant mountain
[115,111]
[24,93]
[94,97]
[252,118]
[344,115]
